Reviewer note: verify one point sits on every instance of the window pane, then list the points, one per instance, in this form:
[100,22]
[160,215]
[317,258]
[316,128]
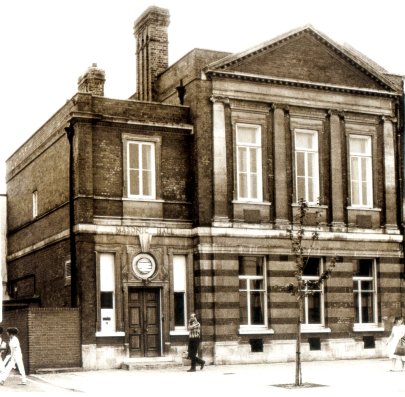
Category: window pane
[355,168]
[310,165]
[107,277]
[133,182]
[301,188]
[253,186]
[146,157]
[134,155]
[256,285]
[179,273]
[106,300]
[314,308]
[355,194]
[300,163]
[146,183]
[243,312]
[304,140]
[246,135]
[366,285]
[242,159]
[367,311]
[365,267]
[256,308]
[179,309]
[253,159]
[311,196]
[243,188]
[250,266]
[360,145]
[311,267]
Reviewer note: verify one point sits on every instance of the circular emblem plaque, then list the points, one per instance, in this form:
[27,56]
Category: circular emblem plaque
[143,266]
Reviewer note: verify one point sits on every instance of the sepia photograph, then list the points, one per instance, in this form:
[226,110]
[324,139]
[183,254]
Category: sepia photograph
[202,197]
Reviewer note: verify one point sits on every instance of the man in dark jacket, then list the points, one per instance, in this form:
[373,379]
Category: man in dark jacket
[194,339]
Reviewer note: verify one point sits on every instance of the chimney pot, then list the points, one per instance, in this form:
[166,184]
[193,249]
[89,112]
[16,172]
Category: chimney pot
[92,81]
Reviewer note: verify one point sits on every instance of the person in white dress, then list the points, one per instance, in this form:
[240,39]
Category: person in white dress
[3,347]
[15,358]
[397,332]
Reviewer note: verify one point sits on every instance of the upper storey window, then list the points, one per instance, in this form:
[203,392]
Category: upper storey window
[306,166]
[249,162]
[141,170]
[361,171]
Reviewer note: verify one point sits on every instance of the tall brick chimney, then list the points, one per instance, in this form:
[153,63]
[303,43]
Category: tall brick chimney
[152,43]
[92,81]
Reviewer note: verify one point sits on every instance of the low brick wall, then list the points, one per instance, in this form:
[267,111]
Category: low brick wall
[49,337]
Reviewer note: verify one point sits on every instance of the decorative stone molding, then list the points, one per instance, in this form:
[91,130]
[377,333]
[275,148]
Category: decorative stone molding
[219,98]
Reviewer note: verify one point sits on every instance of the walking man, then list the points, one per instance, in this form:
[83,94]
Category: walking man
[194,339]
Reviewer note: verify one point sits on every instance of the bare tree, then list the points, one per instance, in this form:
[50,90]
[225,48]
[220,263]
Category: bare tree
[302,242]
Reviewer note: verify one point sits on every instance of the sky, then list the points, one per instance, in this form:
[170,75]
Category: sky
[47,44]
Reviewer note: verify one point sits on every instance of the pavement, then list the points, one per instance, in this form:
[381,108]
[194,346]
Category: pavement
[320,378]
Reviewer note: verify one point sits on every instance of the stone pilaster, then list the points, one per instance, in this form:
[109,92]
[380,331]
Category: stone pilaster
[336,177]
[389,174]
[219,160]
[280,167]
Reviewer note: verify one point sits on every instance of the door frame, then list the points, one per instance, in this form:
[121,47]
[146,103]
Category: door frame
[159,289]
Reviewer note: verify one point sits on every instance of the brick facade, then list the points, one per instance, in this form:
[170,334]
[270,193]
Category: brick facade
[195,215]
[49,337]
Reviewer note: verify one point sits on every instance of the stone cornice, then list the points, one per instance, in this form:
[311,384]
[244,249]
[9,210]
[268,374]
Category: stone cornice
[219,98]
[300,83]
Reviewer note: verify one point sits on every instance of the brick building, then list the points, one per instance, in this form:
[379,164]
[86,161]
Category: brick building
[179,199]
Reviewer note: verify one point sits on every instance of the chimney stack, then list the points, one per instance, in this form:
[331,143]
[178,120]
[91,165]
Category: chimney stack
[152,43]
[92,81]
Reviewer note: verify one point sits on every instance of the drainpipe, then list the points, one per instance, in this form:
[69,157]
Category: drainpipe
[70,132]
[401,175]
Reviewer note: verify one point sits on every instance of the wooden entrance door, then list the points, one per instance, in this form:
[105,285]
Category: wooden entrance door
[144,322]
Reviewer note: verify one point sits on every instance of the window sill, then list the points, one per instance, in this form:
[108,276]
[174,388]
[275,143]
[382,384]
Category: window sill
[255,331]
[363,209]
[254,202]
[101,334]
[143,199]
[179,332]
[305,329]
[311,205]
[367,328]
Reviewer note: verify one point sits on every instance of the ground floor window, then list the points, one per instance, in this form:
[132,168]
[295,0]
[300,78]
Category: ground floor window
[313,315]
[365,292]
[107,292]
[252,292]
[180,291]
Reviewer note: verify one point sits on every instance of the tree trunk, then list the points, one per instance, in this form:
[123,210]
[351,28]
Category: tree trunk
[298,372]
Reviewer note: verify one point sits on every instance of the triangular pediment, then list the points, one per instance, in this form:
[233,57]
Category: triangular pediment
[308,56]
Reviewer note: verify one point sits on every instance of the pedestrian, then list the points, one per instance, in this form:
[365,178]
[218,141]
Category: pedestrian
[3,346]
[397,332]
[16,358]
[194,339]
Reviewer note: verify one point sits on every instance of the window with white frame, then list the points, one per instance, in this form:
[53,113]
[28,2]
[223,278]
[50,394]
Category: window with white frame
[252,292]
[249,162]
[107,292]
[365,292]
[180,291]
[313,316]
[361,171]
[141,170]
[68,272]
[35,204]
[306,165]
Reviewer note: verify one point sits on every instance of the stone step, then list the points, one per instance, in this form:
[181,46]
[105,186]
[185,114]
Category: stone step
[57,370]
[138,363]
